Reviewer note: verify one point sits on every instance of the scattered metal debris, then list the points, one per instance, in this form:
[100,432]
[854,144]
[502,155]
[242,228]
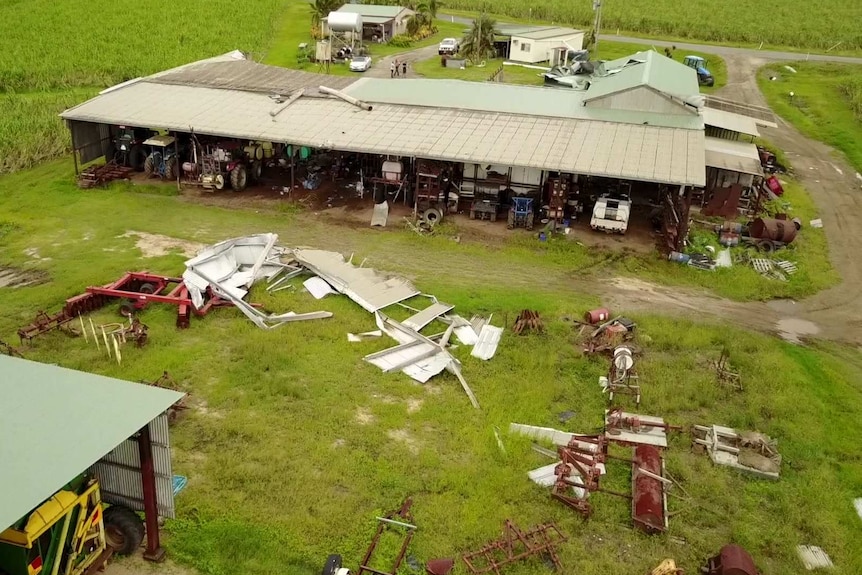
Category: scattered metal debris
[857,503]
[9,350]
[667,567]
[622,377]
[778,270]
[516,545]
[427,315]
[380,215]
[489,339]
[649,497]
[731,560]
[555,436]
[357,337]
[751,452]
[317,287]
[813,557]
[468,332]
[500,445]
[725,375]
[528,320]
[610,335]
[401,518]
[818,223]
[632,429]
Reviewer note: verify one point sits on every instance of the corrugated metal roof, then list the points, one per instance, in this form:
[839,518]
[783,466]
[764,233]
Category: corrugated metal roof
[647,68]
[57,422]
[730,121]
[372,10]
[508,99]
[732,155]
[548,32]
[762,116]
[602,148]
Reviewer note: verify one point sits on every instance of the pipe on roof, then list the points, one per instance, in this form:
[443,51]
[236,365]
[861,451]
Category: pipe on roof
[293,98]
[350,99]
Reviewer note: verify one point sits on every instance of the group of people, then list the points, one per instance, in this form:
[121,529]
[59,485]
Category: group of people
[397,69]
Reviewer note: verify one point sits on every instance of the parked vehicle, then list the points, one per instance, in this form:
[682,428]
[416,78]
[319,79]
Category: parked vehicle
[704,77]
[448,46]
[360,63]
[162,159]
[611,213]
[223,163]
[127,149]
[521,213]
[72,533]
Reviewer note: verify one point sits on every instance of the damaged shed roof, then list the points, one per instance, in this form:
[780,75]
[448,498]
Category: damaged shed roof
[601,143]
[647,68]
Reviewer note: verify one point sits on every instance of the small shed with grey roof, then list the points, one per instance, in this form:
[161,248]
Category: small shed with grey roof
[59,423]
[534,44]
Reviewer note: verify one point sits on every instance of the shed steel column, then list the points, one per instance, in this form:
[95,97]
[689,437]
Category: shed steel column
[154,551]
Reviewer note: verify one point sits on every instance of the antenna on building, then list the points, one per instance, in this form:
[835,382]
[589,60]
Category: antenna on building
[597,26]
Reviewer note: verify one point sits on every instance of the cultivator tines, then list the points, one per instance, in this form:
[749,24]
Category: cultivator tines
[400,518]
[528,320]
[579,472]
[43,323]
[94,176]
[516,545]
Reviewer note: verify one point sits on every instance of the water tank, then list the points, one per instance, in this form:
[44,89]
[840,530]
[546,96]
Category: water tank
[344,22]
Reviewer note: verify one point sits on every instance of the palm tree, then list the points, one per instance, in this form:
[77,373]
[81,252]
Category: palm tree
[320,9]
[478,43]
[433,6]
[420,19]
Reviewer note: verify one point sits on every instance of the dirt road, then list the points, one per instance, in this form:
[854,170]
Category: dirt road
[380,69]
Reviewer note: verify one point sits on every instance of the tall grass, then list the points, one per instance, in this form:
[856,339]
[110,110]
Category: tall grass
[56,54]
[795,23]
[852,89]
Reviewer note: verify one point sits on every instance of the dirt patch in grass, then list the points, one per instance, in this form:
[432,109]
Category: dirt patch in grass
[364,416]
[406,438]
[156,245]
[18,278]
[414,405]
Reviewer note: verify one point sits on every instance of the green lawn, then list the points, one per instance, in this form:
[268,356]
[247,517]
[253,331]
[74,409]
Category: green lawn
[294,444]
[432,68]
[819,109]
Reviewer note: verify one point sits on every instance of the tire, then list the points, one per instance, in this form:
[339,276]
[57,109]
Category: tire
[238,178]
[256,169]
[432,216]
[149,166]
[332,565]
[219,182]
[510,223]
[147,288]
[171,168]
[124,530]
[137,156]
[127,310]
[766,246]
[530,218]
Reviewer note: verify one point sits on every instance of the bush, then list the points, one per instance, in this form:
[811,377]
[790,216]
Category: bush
[401,41]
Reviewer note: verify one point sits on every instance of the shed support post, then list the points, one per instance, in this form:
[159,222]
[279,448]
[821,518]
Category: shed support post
[74,147]
[154,552]
[179,161]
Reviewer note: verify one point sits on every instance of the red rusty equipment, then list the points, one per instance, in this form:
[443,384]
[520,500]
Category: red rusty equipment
[439,566]
[579,469]
[516,545]
[731,560]
[648,496]
[599,315]
[401,518]
[93,176]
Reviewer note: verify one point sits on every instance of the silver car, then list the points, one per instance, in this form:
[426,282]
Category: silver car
[360,63]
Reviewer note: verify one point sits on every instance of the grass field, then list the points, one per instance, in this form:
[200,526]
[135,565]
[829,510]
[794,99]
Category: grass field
[775,23]
[827,102]
[95,45]
[294,444]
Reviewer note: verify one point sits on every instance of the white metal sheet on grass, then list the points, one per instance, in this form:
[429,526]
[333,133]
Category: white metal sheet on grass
[317,287]
[427,315]
[380,215]
[857,503]
[813,557]
[489,339]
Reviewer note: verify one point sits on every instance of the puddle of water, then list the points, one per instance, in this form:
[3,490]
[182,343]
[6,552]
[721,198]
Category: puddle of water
[17,278]
[793,330]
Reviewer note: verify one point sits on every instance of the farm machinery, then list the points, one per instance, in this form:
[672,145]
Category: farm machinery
[72,533]
[485,205]
[611,213]
[219,164]
[698,64]
[521,213]
[162,158]
[127,149]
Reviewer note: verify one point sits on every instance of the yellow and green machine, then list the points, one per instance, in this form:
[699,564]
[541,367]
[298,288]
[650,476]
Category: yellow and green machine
[72,533]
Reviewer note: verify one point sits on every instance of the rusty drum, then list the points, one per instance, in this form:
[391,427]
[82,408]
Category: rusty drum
[597,315]
[647,492]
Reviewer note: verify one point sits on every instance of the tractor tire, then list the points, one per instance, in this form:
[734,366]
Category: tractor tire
[137,156]
[432,216]
[127,310]
[149,166]
[124,530]
[530,218]
[147,288]
[238,178]
[256,169]
[766,246]
[510,223]
[171,168]
[332,565]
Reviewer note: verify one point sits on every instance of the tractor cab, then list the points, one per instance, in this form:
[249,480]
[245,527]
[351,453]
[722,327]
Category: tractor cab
[127,149]
[161,157]
[704,77]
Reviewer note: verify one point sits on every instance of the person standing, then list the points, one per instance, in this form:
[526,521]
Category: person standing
[397,69]
[392,69]
[404,68]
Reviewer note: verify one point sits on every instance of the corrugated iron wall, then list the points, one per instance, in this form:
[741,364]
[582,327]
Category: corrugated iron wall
[90,140]
[119,471]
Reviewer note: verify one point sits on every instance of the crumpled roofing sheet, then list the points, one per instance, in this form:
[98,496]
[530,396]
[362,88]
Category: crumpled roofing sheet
[365,286]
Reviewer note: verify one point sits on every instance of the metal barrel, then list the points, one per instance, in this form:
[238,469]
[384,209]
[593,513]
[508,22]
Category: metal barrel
[679,257]
[597,315]
[734,227]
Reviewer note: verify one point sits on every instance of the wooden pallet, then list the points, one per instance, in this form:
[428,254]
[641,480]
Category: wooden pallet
[94,176]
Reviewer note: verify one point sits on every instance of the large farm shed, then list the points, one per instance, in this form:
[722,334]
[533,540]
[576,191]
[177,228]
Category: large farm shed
[639,128]
[60,423]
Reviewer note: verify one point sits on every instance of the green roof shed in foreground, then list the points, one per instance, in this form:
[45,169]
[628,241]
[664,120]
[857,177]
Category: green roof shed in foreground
[57,422]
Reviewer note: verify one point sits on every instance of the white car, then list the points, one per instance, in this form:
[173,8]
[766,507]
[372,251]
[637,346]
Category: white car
[448,46]
[360,63]
[611,214]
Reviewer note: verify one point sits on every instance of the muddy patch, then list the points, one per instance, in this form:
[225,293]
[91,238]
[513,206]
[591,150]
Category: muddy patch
[208,411]
[795,330]
[364,416]
[18,278]
[156,245]
[414,405]
[404,437]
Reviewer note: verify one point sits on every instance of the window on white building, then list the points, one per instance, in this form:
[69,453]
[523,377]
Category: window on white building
[525,47]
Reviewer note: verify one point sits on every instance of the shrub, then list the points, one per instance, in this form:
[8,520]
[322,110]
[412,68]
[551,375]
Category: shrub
[401,41]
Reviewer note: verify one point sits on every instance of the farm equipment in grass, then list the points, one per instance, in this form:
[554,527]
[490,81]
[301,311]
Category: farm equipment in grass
[698,64]
[162,158]
[72,533]
[484,206]
[127,149]
[521,213]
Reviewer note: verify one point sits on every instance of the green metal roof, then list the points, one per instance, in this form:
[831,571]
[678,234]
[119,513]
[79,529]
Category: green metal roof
[372,10]
[57,422]
[648,68]
[507,99]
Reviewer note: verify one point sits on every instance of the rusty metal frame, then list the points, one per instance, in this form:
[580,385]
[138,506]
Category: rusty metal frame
[516,545]
[392,518]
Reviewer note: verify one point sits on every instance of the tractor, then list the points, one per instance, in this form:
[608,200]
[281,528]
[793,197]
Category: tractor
[162,159]
[128,147]
[217,164]
[698,64]
[521,212]
[71,533]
